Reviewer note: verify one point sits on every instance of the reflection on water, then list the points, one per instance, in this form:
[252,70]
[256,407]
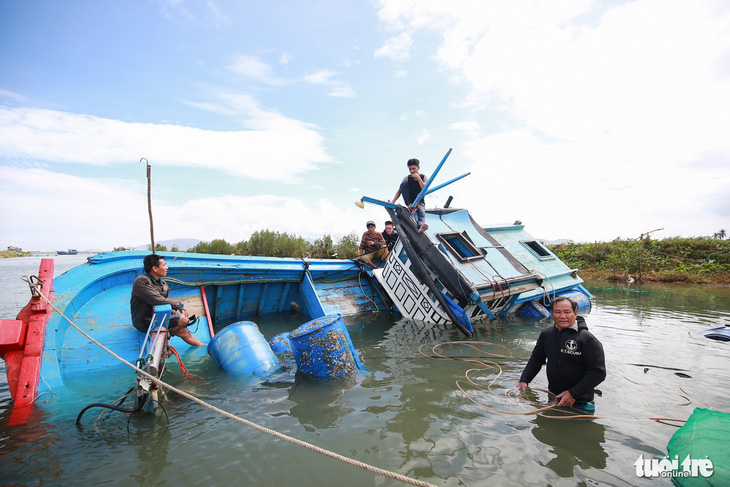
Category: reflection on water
[572,442]
[318,404]
[404,413]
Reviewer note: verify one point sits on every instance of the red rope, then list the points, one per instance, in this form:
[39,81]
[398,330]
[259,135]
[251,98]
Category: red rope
[179,360]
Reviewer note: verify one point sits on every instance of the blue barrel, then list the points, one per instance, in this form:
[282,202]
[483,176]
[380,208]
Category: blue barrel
[579,298]
[533,309]
[322,348]
[241,348]
[280,344]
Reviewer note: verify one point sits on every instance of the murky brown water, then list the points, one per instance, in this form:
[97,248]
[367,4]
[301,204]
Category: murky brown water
[405,414]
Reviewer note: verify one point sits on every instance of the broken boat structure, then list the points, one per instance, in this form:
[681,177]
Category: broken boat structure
[460,272]
[457,272]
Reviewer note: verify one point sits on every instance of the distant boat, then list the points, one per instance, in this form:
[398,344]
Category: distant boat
[67,252]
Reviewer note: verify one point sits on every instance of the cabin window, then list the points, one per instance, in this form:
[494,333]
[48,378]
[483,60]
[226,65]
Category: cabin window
[403,256]
[460,246]
[538,249]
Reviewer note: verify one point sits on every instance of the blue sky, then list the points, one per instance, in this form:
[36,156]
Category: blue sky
[585,120]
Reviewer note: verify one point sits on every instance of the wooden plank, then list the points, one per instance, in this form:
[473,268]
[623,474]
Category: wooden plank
[193,304]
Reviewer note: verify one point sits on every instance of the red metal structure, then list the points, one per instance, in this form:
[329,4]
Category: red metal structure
[22,341]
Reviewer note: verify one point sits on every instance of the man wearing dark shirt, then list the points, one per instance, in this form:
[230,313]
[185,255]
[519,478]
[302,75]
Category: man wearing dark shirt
[410,188]
[150,290]
[575,360]
[390,235]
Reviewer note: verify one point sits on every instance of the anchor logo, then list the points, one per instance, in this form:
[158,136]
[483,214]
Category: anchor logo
[571,345]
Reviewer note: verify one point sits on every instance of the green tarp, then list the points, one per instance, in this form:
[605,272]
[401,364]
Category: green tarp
[705,436]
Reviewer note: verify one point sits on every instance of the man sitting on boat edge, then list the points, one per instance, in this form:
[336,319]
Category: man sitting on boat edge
[372,246]
[390,235]
[148,291]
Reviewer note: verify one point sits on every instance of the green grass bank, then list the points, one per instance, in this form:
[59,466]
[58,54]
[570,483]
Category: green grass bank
[699,260]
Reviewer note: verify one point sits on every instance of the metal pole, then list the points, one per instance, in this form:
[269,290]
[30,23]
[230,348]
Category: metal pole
[445,184]
[149,202]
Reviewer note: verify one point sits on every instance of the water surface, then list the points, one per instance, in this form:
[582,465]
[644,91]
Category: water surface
[405,413]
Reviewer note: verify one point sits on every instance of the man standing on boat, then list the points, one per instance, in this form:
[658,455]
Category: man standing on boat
[390,235]
[372,246]
[575,360]
[410,187]
[148,291]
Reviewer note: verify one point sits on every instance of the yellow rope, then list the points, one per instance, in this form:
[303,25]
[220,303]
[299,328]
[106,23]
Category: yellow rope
[310,446]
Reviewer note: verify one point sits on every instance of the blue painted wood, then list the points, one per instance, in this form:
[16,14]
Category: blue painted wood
[310,302]
[96,297]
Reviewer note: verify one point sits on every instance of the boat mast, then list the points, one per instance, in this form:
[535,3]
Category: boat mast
[149,202]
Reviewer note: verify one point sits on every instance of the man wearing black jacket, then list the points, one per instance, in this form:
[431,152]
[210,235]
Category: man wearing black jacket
[575,360]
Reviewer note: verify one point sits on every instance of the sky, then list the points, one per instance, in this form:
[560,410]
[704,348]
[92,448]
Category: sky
[585,120]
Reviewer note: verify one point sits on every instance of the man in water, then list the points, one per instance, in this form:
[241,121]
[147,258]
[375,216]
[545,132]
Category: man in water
[410,187]
[575,360]
[148,291]
[390,235]
[372,246]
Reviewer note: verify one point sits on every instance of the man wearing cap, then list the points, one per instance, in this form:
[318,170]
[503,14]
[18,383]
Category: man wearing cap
[372,246]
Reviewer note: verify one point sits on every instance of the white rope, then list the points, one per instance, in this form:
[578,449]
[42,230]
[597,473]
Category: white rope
[310,446]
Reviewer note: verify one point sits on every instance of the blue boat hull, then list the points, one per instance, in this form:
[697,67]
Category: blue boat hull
[219,289]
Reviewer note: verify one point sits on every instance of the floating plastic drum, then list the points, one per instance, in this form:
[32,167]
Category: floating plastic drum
[583,301]
[533,309]
[241,348]
[280,344]
[322,348]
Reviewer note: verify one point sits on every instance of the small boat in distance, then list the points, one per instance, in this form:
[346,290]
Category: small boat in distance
[67,252]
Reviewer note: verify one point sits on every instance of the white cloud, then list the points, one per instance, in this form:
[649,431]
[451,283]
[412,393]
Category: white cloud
[320,77]
[538,182]
[253,68]
[424,136]
[470,127]
[344,91]
[14,97]
[615,105]
[44,210]
[396,48]
[326,77]
[285,58]
[285,146]
[83,213]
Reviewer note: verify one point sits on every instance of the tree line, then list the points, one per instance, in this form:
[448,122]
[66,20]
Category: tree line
[268,243]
